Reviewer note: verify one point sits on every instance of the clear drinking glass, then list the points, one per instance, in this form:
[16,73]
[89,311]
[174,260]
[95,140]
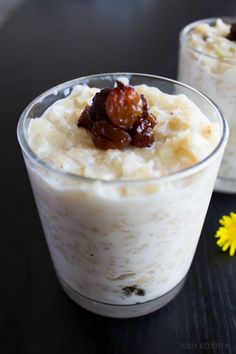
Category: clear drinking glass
[216,77]
[122,248]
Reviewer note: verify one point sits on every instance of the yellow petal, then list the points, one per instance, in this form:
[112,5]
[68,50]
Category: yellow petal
[226,246]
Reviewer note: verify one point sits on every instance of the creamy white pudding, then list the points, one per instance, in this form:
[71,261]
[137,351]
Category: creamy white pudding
[183,137]
[122,226]
[207,62]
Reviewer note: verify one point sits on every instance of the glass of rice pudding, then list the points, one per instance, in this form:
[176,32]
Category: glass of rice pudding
[122,167]
[207,62]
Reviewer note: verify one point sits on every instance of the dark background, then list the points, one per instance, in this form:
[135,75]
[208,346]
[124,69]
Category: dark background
[42,44]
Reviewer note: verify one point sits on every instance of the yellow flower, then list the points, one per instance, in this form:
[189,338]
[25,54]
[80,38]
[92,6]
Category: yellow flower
[226,234]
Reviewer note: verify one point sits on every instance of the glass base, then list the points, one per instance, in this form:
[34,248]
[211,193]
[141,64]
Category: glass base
[121,311]
[225,185]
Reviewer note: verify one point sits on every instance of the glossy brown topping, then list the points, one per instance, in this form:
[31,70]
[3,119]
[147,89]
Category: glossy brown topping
[123,106]
[85,120]
[232,35]
[142,132]
[119,117]
[106,136]
[97,110]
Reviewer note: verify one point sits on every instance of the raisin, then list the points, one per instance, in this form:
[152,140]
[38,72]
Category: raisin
[129,290]
[232,35]
[145,104]
[118,116]
[142,133]
[150,118]
[146,115]
[123,106]
[84,119]
[140,292]
[106,136]
[98,108]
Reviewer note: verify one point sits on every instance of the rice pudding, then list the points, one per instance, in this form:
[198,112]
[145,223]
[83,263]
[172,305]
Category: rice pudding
[118,231]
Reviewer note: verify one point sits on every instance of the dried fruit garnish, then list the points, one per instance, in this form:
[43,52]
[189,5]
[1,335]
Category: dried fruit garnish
[142,133]
[118,117]
[84,119]
[123,106]
[106,136]
[145,104]
[98,108]
[129,290]
[232,35]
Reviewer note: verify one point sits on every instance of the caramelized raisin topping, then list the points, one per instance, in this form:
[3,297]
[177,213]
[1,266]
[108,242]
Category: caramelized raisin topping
[118,117]
[232,35]
[150,118]
[142,133]
[106,136]
[85,120]
[123,106]
[145,104]
[98,108]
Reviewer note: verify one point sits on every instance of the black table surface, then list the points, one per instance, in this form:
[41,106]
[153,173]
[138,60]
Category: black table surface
[45,43]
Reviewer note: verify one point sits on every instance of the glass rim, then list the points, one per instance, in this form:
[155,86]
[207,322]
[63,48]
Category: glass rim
[35,159]
[185,31]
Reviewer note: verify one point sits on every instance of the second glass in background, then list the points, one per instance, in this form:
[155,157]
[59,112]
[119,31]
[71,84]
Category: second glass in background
[216,77]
